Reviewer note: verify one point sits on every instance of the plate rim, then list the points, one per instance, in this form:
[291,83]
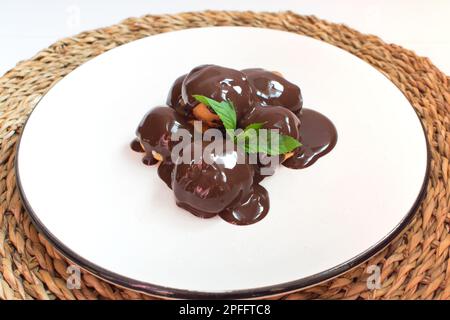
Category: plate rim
[258,292]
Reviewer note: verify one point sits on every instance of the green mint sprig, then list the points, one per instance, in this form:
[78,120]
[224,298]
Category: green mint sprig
[227,114]
[225,110]
[275,143]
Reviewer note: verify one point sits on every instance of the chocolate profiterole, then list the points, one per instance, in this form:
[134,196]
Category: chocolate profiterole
[218,183]
[174,97]
[218,83]
[155,131]
[277,118]
[271,89]
[274,117]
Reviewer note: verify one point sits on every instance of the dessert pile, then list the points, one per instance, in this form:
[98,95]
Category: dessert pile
[223,131]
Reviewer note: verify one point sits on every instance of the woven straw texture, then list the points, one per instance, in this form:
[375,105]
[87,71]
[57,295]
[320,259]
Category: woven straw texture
[414,266]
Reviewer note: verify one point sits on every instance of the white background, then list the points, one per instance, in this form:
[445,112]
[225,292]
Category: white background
[26,26]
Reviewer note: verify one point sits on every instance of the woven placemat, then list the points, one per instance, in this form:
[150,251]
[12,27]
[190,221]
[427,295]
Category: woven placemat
[415,266]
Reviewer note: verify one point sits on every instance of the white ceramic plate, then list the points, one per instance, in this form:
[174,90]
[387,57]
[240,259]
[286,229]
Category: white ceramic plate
[95,201]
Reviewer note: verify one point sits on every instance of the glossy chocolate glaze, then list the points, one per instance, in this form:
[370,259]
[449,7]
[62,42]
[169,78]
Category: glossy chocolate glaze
[275,117]
[174,99]
[216,184]
[220,84]
[273,90]
[318,137]
[251,209]
[165,169]
[213,184]
[155,131]
[136,145]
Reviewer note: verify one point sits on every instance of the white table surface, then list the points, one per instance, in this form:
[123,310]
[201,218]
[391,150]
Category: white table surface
[26,26]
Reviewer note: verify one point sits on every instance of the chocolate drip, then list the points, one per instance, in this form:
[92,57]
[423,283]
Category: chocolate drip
[136,145]
[318,137]
[149,160]
[251,209]
[165,170]
[273,90]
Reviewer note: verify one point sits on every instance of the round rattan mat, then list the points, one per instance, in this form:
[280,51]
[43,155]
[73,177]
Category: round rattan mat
[414,266]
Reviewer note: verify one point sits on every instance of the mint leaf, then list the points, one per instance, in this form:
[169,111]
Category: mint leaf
[250,130]
[254,140]
[255,126]
[277,144]
[287,144]
[231,133]
[251,148]
[225,110]
[248,139]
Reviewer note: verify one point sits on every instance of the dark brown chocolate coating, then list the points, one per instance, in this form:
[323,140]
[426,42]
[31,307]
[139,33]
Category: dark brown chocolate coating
[220,84]
[251,209]
[275,117]
[216,184]
[281,119]
[207,185]
[174,99]
[273,90]
[165,169]
[318,136]
[136,145]
[155,132]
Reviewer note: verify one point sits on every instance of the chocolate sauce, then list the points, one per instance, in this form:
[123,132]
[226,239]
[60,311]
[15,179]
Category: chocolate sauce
[318,137]
[252,208]
[216,183]
[219,183]
[165,170]
[274,117]
[136,145]
[220,84]
[273,90]
[174,99]
[155,131]
[148,159]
